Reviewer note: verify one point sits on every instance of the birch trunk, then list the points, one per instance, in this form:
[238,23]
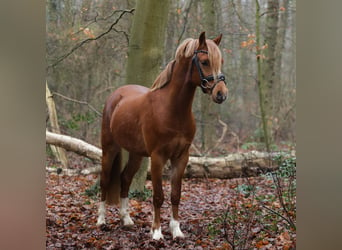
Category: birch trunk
[58,152]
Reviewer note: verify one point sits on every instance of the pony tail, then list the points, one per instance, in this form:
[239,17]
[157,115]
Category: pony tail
[114,187]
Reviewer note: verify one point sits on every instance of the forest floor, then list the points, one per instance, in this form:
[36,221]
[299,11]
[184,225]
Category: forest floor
[215,214]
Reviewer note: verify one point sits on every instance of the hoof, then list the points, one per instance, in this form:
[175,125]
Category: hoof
[177,234]
[127,221]
[100,221]
[157,234]
[175,229]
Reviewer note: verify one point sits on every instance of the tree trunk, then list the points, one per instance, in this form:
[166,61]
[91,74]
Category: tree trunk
[260,81]
[58,152]
[146,48]
[280,92]
[206,128]
[146,45]
[269,63]
[231,166]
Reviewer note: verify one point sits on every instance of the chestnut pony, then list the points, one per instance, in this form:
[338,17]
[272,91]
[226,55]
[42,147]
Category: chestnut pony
[157,123]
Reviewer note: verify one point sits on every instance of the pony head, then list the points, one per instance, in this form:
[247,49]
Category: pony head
[205,70]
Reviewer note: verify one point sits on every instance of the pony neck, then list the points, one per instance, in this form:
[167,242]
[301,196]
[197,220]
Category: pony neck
[181,90]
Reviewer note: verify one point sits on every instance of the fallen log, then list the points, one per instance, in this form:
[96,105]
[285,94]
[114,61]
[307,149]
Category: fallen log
[234,165]
[75,145]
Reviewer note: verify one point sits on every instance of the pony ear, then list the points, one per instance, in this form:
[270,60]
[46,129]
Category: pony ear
[217,40]
[201,39]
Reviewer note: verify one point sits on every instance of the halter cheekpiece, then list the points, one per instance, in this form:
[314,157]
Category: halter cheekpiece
[206,79]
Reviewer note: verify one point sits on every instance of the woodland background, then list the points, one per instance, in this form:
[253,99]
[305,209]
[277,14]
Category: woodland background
[87,55]
[95,46]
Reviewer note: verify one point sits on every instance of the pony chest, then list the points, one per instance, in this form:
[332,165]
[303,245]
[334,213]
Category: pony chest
[176,146]
[169,140]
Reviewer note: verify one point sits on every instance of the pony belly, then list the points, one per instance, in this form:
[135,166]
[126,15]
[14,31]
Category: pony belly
[127,133]
[132,144]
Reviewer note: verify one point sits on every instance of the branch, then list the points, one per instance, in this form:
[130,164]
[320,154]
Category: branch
[80,102]
[243,22]
[185,21]
[279,190]
[96,19]
[269,12]
[288,220]
[198,152]
[92,39]
[224,131]
[71,172]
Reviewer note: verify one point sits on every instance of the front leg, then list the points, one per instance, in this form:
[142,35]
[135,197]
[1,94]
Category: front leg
[178,167]
[157,163]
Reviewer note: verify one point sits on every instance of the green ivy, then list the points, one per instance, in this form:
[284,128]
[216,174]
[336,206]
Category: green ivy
[140,195]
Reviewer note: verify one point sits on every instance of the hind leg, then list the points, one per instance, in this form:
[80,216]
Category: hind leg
[132,166]
[101,219]
[107,163]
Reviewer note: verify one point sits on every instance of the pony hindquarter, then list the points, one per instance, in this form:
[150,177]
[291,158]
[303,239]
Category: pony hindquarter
[114,182]
[157,123]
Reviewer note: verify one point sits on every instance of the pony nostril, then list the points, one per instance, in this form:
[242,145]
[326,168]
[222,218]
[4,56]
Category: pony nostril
[220,97]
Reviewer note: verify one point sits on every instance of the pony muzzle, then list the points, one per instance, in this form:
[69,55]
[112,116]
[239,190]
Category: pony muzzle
[220,92]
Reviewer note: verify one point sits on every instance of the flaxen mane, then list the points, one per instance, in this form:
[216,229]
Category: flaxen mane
[187,49]
[164,77]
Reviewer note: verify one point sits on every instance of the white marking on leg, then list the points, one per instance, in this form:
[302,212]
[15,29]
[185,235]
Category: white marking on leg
[157,234]
[102,213]
[175,229]
[124,214]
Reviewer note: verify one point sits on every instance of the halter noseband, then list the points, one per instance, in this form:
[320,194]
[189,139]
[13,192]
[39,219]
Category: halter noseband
[206,79]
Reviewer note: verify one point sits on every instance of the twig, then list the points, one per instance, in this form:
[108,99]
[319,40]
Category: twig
[283,217]
[80,102]
[280,197]
[237,138]
[269,12]
[198,152]
[92,39]
[96,19]
[243,22]
[224,131]
[231,242]
[251,214]
[185,21]
[289,111]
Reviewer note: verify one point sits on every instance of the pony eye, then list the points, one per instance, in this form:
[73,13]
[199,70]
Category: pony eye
[205,63]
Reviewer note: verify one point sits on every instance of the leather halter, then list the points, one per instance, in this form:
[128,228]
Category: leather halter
[206,79]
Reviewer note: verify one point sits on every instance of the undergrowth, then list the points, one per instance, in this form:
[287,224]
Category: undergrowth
[257,218]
